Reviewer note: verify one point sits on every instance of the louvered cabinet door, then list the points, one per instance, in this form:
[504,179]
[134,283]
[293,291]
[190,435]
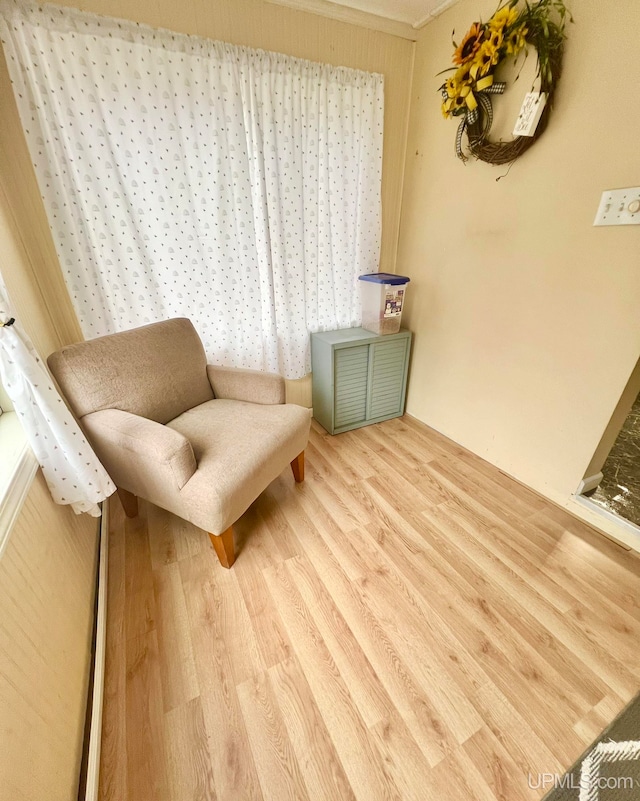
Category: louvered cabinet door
[350,385]
[387,364]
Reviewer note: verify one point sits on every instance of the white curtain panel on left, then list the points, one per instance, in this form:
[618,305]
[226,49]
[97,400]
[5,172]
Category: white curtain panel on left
[70,467]
[188,177]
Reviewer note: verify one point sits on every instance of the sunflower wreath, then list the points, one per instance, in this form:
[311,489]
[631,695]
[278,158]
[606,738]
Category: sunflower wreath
[509,33]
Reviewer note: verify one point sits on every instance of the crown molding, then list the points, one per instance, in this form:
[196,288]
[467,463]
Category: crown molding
[433,14]
[364,19]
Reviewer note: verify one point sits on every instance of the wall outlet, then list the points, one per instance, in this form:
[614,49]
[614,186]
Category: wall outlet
[619,207]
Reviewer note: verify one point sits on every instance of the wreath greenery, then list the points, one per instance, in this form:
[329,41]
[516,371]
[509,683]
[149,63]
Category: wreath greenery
[509,33]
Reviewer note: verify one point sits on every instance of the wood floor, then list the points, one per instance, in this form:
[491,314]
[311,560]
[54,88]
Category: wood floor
[409,623]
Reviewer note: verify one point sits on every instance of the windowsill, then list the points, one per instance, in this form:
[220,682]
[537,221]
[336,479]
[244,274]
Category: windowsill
[18,466]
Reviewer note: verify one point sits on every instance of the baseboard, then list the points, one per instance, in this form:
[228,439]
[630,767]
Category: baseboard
[625,533]
[95,731]
[589,483]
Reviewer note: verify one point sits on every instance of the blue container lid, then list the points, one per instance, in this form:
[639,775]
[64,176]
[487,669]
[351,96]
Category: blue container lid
[385,278]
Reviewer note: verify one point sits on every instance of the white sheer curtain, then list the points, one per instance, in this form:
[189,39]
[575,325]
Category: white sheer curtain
[71,469]
[189,177]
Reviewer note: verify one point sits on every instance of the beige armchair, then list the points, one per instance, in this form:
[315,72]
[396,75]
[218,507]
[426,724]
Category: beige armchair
[200,441]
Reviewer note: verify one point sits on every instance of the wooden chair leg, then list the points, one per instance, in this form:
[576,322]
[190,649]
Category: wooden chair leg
[297,465]
[129,502]
[223,544]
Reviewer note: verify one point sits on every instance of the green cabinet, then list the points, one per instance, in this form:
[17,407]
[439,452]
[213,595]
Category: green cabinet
[359,377]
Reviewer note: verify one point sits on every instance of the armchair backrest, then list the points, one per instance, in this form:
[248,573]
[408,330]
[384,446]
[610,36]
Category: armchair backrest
[157,371]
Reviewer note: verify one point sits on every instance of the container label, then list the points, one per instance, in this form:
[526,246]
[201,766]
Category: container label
[393,303]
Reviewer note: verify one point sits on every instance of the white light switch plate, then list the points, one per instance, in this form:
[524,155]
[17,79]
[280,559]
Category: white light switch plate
[619,207]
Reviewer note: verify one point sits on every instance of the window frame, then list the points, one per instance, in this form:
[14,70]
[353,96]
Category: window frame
[18,467]
[5,403]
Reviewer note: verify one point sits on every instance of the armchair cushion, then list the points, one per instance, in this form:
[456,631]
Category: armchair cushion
[240,449]
[253,386]
[156,371]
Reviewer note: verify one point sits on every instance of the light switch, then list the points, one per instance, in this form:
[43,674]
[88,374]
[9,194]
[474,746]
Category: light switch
[619,207]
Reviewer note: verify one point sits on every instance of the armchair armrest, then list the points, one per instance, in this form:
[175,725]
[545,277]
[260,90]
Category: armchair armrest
[246,385]
[136,451]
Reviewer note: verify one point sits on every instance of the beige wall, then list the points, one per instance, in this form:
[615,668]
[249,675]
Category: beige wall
[525,316]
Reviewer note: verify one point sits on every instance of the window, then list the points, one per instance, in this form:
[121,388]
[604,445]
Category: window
[17,466]
[5,403]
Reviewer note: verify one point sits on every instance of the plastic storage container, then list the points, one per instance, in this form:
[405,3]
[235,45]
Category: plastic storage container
[383,297]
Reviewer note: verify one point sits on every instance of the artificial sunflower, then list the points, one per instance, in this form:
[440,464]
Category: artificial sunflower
[495,36]
[516,40]
[462,73]
[455,90]
[503,18]
[455,105]
[450,90]
[486,58]
[469,45]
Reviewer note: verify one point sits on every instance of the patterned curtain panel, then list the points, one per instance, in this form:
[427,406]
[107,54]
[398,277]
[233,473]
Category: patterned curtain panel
[184,176]
[70,467]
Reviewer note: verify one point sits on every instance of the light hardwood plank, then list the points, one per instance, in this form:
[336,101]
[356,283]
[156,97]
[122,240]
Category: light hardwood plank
[278,769]
[420,642]
[458,777]
[598,718]
[233,767]
[113,753]
[365,687]
[311,742]
[596,654]
[189,763]
[162,546]
[273,641]
[324,447]
[397,455]
[572,536]
[337,538]
[366,771]
[139,596]
[513,731]
[426,727]
[498,769]
[173,539]
[282,535]
[177,666]
[146,754]
[255,528]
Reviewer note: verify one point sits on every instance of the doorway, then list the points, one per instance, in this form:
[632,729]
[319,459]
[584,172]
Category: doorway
[612,480]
